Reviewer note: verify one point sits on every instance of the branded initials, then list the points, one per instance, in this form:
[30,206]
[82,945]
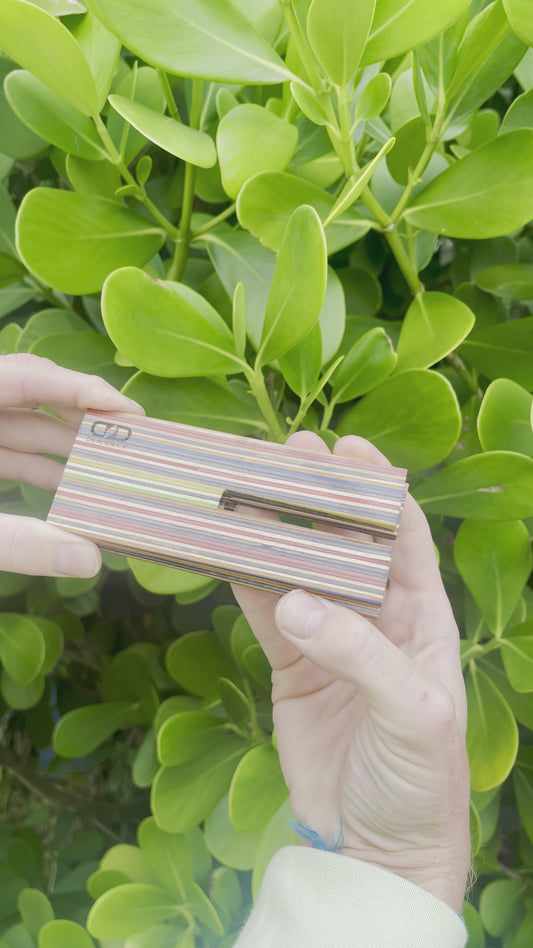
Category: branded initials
[111,432]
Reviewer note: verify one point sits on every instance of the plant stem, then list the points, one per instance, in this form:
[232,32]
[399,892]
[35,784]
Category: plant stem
[302,46]
[181,252]
[470,377]
[258,388]
[169,96]
[140,193]
[213,222]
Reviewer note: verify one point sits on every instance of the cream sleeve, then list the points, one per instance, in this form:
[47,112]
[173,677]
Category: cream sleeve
[315,899]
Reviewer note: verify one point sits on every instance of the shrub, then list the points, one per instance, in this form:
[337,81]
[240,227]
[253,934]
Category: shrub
[257,216]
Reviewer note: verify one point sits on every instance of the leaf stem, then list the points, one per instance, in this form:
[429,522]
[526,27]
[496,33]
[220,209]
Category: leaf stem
[213,222]
[181,252]
[258,388]
[302,45]
[140,192]
[169,95]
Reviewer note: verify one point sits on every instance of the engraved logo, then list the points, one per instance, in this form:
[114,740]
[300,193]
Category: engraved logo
[105,430]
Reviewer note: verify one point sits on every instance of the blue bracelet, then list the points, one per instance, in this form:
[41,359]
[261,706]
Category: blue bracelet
[317,841]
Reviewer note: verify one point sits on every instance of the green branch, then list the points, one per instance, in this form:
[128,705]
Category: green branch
[181,253]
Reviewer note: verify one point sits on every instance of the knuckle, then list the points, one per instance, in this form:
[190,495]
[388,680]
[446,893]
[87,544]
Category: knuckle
[437,706]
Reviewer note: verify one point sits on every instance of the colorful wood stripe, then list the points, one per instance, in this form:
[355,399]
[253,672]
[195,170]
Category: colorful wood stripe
[167,493]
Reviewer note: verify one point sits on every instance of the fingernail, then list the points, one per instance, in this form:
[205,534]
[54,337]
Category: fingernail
[300,614]
[76,559]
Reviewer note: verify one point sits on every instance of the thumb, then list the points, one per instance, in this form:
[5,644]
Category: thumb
[349,647]
[36,548]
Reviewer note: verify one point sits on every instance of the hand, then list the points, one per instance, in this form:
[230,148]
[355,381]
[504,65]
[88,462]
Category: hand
[370,717]
[28,545]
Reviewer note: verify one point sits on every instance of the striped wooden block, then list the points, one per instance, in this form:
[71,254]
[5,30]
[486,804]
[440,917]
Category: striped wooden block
[189,497]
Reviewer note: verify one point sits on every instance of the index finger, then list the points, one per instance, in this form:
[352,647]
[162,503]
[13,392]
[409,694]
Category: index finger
[28,381]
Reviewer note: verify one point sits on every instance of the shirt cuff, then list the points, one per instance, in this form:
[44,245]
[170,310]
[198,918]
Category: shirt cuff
[315,899]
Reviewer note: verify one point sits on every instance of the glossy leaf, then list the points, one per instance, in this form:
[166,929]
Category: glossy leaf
[193,38]
[511,281]
[166,580]
[519,15]
[504,419]
[499,904]
[338,31]
[22,647]
[41,44]
[517,655]
[398,26]
[183,796]
[434,325]
[483,195]
[373,98]
[166,328]
[128,909]
[78,732]
[257,789]
[227,845]
[200,402]
[177,139]
[142,86]
[168,854]
[370,360]
[298,286]
[186,735]
[64,934]
[196,661]
[399,417]
[266,203]
[492,733]
[503,349]
[101,50]
[35,910]
[51,116]
[250,140]
[73,241]
[50,322]
[21,697]
[519,114]
[497,485]
[494,560]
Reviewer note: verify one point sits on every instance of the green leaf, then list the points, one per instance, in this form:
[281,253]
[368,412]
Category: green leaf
[227,845]
[166,328]
[22,647]
[503,349]
[488,53]
[41,44]
[309,103]
[101,50]
[145,763]
[519,114]
[238,320]
[235,703]
[486,194]
[201,402]
[128,909]
[250,140]
[413,417]
[497,485]
[131,862]
[474,925]
[72,241]
[492,734]
[166,580]
[519,15]
[35,910]
[494,560]
[298,286]
[257,789]
[338,31]
[21,697]
[512,281]
[399,26]
[356,184]
[193,38]
[203,909]
[373,98]
[517,657]
[101,178]
[300,366]
[177,139]
[501,904]
[504,419]
[524,934]
[197,661]
[276,834]
[48,322]
[434,325]
[64,934]
[523,789]
[267,201]
[53,642]
[168,854]
[186,735]
[78,732]
[183,796]
[140,85]
[370,360]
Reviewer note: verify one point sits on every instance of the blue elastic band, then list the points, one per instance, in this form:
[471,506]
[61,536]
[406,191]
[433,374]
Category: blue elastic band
[317,841]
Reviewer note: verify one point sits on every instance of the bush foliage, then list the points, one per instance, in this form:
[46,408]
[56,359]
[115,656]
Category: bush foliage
[257,216]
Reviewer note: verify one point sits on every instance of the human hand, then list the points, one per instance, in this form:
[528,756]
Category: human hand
[27,435]
[370,718]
